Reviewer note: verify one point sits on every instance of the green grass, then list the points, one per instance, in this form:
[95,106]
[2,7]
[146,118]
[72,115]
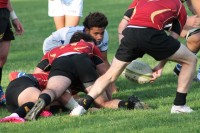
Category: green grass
[26,51]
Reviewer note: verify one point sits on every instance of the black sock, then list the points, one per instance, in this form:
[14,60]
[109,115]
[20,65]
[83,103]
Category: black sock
[180,99]
[86,102]
[126,104]
[46,98]
[24,109]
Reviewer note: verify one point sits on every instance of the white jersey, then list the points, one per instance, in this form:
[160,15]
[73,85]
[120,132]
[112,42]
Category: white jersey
[63,36]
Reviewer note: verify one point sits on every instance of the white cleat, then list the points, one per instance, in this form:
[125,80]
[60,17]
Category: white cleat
[78,111]
[181,109]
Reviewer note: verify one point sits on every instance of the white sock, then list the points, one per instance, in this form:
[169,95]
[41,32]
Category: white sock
[71,104]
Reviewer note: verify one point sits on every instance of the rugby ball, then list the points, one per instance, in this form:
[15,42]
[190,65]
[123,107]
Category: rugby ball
[138,71]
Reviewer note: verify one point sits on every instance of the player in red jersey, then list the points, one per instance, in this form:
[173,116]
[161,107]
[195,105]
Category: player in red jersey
[78,64]
[6,35]
[145,35]
[22,92]
[191,30]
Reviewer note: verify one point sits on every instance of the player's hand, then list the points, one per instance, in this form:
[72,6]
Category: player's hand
[19,30]
[193,21]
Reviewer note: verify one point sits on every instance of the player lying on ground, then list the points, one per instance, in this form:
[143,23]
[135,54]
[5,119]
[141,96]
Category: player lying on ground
[23,92]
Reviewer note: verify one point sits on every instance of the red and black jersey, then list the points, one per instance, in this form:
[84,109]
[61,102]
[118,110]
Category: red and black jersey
[158,13]
[69,49]
[42,79]
[3,3]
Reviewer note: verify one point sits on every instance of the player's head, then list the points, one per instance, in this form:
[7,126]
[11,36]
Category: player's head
[95,24]
[77,36]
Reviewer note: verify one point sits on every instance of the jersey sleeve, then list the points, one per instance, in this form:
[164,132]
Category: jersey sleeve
[130,9]
[178,23]
[44,63]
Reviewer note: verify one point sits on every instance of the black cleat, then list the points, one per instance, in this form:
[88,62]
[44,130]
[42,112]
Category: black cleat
[135,103]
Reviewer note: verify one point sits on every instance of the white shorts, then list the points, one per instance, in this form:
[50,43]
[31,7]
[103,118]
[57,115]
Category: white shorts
[58,8]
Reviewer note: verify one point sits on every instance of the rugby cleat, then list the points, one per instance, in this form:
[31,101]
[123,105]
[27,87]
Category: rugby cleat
[12,119]
[181,109]
[33,114]
[135,103]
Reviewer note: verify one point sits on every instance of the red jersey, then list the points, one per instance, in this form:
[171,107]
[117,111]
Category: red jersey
[158,13]
[42,79]
[3,3]
[74,48]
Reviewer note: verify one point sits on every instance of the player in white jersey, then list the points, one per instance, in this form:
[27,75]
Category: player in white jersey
[63,36]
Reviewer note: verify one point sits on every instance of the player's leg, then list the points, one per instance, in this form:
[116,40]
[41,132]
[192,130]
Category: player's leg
[104,81]
[6,35]
[60,78]
[188,61]
[71,20]
[55,88]
[55,10]
[59,21]
[73,12]
[21,95]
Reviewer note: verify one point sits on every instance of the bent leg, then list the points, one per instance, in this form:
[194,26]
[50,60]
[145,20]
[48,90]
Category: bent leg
[188,61]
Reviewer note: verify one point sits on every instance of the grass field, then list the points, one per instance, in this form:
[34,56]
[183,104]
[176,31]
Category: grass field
[26,51]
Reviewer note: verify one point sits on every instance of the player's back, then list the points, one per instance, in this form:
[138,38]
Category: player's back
[156,13]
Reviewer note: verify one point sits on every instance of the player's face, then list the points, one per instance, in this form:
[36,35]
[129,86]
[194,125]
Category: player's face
[97,33]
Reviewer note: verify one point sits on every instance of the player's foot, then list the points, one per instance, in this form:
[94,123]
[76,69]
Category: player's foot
[12,119]
[79,110]
[180,109]
[45,113]
[2,97]
[135,103]
[35,111]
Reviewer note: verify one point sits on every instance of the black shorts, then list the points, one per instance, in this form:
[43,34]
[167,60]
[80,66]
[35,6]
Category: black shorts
[140,41]
[78,68]
[6,33]
[14,89]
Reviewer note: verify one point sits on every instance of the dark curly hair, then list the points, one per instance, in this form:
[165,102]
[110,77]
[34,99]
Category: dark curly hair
[77,36]
[95,19]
